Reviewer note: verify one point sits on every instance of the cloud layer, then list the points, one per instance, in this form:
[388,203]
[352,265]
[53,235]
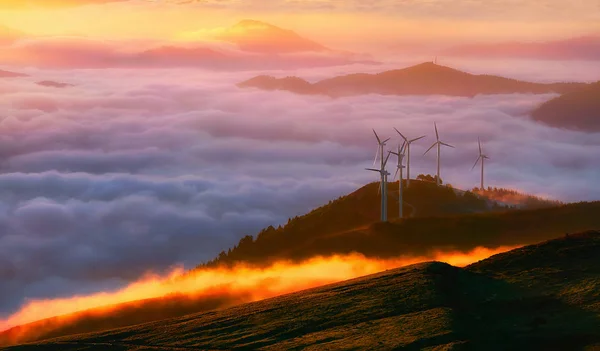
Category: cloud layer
[81,52]
[136,170]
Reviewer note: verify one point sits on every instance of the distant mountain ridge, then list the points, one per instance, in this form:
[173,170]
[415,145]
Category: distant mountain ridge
[423,79]
[247,45]
[256,36]
[578,110]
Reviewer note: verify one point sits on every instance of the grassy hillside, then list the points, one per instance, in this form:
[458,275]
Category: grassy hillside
[444,218]
[342,226]
[578,110]
[497,304]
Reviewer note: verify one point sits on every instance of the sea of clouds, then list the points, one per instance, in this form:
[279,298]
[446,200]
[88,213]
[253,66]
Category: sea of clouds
[132,171]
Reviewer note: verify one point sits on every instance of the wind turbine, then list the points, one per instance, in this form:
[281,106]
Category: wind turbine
[408,142]
[383,174]
[438,143]
[481,157]
[399,168]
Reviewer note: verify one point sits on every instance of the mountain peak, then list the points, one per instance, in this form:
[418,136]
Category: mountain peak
[257,36]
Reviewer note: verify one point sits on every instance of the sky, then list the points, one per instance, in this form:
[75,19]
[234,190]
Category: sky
[152,157]
[349,24]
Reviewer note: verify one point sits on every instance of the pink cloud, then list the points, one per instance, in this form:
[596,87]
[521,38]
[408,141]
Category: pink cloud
[75,52]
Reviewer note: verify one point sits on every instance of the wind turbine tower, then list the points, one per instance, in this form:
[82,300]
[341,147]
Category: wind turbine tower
[399,169]
[407,145]
[481,157]
[438,143]
[383,174]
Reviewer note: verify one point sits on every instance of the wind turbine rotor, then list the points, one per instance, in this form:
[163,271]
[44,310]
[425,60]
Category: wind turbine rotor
[432,146]
[402,135]
[376,155]
[377,136]
[385,162]
[415,139]
[476,162]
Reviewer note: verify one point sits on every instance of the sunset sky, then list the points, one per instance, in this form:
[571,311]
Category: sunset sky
[354,22]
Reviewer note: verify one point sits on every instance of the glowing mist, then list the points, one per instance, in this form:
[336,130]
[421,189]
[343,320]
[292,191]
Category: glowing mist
[250,282]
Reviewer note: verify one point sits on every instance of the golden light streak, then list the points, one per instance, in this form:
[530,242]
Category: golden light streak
[251,282]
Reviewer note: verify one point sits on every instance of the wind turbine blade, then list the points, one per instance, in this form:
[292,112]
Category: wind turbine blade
[447,145]
[436,131]
[373,169]
[386,140]
[419,138]
[394,153]
[401,149]
[379,189]
[386,159]
[376,155]
[402,135]
[476,162]
[377,136]
[395,174]
[432,146]
[479,141]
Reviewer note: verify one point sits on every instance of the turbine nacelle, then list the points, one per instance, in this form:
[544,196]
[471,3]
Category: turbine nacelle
[406,140]
[438,141]
[384,172]
[380,144]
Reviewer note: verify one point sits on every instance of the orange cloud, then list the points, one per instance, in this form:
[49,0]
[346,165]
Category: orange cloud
[248,283]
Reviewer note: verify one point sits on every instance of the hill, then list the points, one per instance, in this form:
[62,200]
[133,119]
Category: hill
[350,223]
[261,37]
[445,218]
[514,199]
[424,79]
[580,48]
[577,110]
[415,236]
[501,303]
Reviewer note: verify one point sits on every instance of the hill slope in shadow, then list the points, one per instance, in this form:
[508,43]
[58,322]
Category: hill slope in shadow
[434,306]
[423,79]
[323,233]
[445,218]
[577,110]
